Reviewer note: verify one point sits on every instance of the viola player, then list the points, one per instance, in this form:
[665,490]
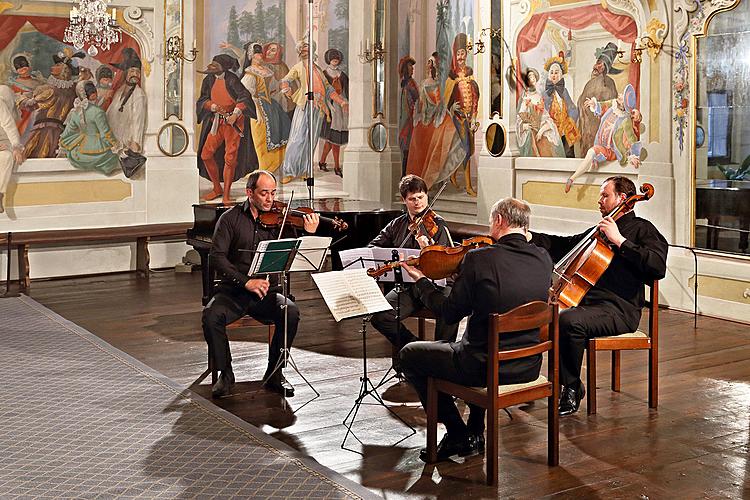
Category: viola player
[238,233]
[492,279]
[397,234]
[613,306]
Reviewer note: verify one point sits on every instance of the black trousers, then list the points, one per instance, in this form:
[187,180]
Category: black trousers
[406,304]
[420,360]
[230,304]
[577,325]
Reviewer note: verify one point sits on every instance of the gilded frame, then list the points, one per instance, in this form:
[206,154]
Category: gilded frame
[699,33]
[379,63]
[163,129]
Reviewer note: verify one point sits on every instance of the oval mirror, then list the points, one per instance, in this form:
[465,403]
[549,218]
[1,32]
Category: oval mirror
[378,137]
[495,139]
[173,139]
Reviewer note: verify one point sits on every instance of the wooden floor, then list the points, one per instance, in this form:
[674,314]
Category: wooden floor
[694,446]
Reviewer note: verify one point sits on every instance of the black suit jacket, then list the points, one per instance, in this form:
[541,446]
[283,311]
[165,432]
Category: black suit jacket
[494,279]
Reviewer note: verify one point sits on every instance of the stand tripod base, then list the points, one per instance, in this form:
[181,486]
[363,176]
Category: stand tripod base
[287,359]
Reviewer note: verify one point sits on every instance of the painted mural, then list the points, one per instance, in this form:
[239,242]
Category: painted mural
[264,122]
[438,116]
[66,103]
[577,94]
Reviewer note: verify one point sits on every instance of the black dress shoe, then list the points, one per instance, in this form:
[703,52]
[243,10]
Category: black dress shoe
[477,441]
[223,385]
[278,384]
[570,399]
[448,447]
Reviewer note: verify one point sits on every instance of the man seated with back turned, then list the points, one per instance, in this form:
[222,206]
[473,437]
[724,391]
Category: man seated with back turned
[236,236]
[612,306]
[396,234]
[492,279]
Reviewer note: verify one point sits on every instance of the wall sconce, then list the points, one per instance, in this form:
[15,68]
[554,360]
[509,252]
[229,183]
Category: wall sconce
[176,51]
[646,42]
[478,46]
[371,52]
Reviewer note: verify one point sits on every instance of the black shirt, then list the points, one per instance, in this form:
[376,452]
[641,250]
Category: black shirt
[236,236]
[641,259]
[494,279]
[394,233]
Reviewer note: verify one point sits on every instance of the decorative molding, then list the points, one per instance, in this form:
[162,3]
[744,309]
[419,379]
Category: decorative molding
[693,16]
[632,8]
[134,22]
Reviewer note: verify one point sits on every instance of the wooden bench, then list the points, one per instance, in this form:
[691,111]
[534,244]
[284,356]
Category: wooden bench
[141,235]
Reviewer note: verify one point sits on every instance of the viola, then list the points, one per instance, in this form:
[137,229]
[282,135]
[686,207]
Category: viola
[580,269]
[436,261]
[295,217]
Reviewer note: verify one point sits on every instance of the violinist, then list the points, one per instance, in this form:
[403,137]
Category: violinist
[398,234]
[237,231]
[612,306]
[492,279]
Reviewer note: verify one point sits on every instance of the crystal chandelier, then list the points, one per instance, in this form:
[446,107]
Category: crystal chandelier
[90,23]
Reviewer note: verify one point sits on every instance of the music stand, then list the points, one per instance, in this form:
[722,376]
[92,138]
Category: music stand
[8,293]
[288,256]
[366,388]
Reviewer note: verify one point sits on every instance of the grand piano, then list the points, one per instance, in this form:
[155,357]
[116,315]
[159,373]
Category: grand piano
[365,220]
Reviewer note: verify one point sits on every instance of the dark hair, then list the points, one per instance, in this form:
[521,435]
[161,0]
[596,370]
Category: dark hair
[20,62]
[252,179]
[622,185]
[411,184]
[332,54]
[89,88]
[434,69]
[104,72]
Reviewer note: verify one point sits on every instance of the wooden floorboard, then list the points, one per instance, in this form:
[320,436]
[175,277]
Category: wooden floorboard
[694,446]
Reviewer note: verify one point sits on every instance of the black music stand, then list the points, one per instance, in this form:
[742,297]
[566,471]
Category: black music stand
[8,293]
[367,388]
[280,261]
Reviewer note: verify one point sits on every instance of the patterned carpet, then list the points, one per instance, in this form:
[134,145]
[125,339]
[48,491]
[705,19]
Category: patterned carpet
[81,419]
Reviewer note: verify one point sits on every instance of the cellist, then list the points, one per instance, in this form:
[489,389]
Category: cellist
[396,234]
[612,306]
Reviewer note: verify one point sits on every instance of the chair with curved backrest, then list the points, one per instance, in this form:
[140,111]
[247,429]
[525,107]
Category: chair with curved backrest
[629,341]
[496,396]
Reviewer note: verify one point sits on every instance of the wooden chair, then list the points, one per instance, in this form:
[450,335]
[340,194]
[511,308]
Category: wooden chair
[422,315]
[496,397]
[629,341]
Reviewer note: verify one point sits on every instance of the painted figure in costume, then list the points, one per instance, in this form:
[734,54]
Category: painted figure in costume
[462,101]
[336,130]
[537,134]
[298,149]
[104,78]
[87,139]
[224,108]
[558,103]
[602,87]
[11,150]
[23,82]
[433,133]
[618,137]
[409,100]
[52,102]
[270,130]
[127,112]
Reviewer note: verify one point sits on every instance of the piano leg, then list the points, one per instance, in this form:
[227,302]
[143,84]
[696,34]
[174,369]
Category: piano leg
[205,276]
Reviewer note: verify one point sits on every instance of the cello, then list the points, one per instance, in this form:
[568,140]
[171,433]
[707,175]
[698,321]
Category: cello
[579,270]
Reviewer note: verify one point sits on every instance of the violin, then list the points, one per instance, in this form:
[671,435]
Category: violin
[275,217]
[581,268]
[425,224]
[436,261]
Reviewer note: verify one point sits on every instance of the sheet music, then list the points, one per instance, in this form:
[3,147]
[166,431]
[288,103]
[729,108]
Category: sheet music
[311,253]
[372,257]
[273,254]
[350,293]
